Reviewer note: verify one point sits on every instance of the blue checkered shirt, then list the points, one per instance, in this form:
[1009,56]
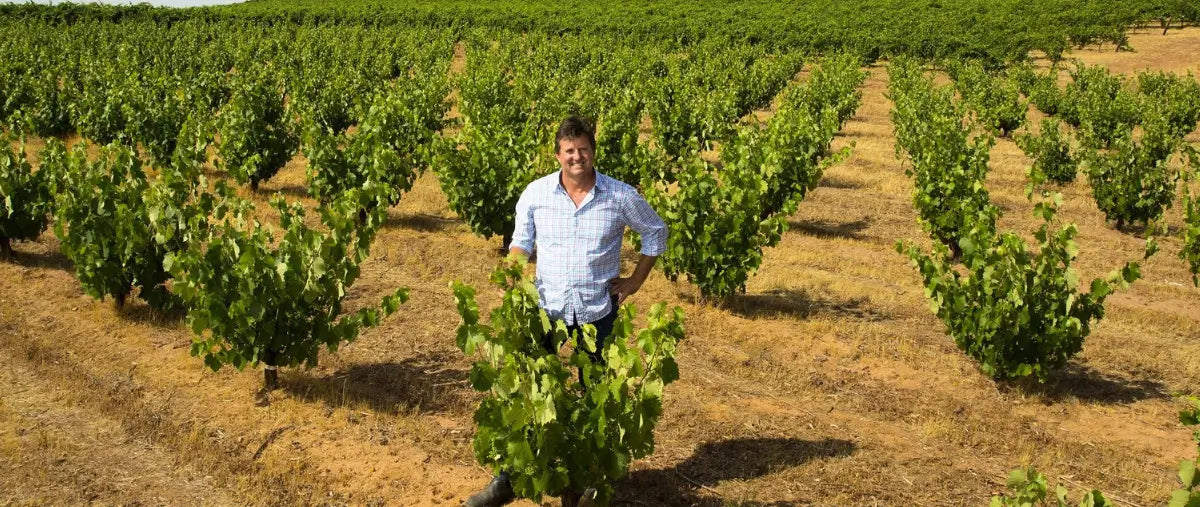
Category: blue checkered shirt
[579,250]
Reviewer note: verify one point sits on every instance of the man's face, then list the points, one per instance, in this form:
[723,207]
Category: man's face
[575,156]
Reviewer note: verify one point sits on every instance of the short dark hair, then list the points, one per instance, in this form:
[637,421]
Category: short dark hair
[574,127]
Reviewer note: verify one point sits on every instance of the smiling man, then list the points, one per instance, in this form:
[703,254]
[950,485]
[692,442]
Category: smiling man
[575,218]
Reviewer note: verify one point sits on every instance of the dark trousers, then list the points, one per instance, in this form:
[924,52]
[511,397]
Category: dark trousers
[604,328]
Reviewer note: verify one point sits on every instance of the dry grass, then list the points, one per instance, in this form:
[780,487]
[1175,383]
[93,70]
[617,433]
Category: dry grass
[828,383]
[55,451]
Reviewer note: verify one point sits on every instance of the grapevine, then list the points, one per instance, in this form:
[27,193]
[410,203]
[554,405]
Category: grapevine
[552,434]
[948,167]
[1051,152]
[252,298]
[25,199]
[103,223]
[256,137]
[389,147]
[1016,311]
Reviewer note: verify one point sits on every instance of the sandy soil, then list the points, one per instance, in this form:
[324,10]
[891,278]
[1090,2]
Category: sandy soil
[829,382]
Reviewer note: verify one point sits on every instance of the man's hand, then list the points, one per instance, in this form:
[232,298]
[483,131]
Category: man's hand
[517,256]
[623,288]
[514,252]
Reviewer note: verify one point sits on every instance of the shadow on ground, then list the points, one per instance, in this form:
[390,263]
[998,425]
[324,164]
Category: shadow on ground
[714,462]
[420,222]
[1139,230]
[48,259]
[800,304]
[1089,385]
[423,384]
[829,230]
[839,183]
[290,190]
[137,310]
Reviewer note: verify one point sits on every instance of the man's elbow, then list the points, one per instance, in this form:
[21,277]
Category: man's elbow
[654,246]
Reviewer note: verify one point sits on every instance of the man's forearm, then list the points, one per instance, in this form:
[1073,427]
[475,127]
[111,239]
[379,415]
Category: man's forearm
[644,266]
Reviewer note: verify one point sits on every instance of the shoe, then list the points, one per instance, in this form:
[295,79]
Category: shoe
[496,493]
[573,498]
[588,498]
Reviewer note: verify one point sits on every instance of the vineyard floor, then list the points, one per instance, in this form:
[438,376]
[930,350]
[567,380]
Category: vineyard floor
[829,382]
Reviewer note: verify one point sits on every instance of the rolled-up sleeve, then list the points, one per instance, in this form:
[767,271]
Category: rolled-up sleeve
[523,231]
[642,218]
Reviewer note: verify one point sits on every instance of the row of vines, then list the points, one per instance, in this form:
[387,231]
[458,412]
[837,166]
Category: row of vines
[181,113]
[1015,308]
[174,120]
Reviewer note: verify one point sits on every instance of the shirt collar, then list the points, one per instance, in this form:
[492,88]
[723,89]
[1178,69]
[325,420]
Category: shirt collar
[601,182]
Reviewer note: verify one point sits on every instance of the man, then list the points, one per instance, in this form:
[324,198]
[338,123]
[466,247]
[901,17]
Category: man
[576,218]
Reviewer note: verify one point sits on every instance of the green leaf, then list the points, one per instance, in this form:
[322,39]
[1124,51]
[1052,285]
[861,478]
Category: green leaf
[199,321]
[652,389]
[482,376]
[1183,498]
[519,454]
[1094,498]
[546,413]
[212,362]
[670,370]
[1017,478]
[1187,474]
[967,245]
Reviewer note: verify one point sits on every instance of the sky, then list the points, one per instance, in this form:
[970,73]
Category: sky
[160,3]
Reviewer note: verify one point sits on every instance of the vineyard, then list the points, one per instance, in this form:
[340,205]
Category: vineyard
[248,254]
